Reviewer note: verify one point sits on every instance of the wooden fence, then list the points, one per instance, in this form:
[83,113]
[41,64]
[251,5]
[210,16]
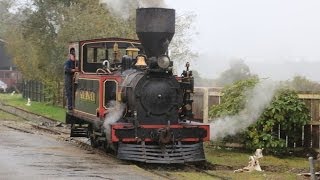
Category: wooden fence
[206,97]
[310,132]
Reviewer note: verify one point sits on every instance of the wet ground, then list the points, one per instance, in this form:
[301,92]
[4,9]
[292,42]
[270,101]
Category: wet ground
[36,155]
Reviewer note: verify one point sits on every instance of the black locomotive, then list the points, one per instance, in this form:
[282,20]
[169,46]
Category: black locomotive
[127,98]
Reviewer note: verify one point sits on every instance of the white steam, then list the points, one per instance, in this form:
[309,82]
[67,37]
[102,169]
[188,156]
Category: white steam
[115,112]
[122,8]
[152,3]
[257,100]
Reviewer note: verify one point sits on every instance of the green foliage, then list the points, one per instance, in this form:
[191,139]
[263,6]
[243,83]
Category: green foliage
[39,39]
[39,34]
[285,110]
[233,99]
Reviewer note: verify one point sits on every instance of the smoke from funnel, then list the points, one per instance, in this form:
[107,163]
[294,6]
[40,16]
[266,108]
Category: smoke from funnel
[152,3]
[121,8]
[257,100]
[114,114]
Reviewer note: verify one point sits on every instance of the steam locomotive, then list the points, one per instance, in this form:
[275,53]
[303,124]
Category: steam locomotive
[127,99]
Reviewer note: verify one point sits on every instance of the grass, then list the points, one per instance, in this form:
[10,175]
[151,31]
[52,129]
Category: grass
[236,158]
[225,161]
[256,175]
[192,176]
[274,167]
[40,108]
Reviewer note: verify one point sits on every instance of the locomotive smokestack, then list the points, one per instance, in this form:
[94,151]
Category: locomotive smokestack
[155,28]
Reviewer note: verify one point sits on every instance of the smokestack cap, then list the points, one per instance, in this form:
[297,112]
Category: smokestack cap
[155,28]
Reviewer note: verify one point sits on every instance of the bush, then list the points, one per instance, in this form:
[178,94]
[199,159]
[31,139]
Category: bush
[285,110]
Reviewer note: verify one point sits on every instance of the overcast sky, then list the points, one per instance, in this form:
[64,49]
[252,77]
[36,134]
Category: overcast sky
[276,38]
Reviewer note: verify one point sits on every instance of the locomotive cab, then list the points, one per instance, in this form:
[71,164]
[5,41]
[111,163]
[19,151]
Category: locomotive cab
[111,52]
[100,63]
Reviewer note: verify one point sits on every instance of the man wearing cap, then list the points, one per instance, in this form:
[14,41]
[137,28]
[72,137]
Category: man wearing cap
[69,70]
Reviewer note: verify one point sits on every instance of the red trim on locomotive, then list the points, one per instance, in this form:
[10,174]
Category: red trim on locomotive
[116,126]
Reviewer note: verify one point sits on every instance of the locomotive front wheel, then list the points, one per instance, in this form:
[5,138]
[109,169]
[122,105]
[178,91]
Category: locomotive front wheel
[93,142]
[93,139]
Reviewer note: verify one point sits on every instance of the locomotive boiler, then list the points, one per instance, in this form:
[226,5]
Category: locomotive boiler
[126,97]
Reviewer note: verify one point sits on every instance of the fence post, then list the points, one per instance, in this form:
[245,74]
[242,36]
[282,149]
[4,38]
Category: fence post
[205,105]
[23,89]
[29,89]
[312,174]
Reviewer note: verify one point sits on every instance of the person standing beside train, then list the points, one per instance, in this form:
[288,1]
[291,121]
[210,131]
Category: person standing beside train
[69,70]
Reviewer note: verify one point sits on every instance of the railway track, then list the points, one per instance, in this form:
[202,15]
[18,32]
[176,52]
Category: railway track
[157,169]
[51,131]
[85,144]
[160,170]
[18,129]
[47,126]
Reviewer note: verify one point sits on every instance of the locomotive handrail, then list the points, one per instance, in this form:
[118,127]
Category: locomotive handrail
[107,71]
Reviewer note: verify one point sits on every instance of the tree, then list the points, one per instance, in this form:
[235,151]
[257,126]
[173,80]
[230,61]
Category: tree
[38,44]
[285,110]
[238,71]
[180,49]
[302,84]
[41,33]
[233,99]
[11,30]
[4,15]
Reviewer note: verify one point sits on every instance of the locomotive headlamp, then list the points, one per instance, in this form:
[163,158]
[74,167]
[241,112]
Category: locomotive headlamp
[163,61]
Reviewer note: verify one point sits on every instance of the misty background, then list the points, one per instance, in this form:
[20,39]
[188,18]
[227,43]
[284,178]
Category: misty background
[276,39]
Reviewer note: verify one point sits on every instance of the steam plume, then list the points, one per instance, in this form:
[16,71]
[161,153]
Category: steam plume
[257,100]
[152,3]
[115,113]
[121,8]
